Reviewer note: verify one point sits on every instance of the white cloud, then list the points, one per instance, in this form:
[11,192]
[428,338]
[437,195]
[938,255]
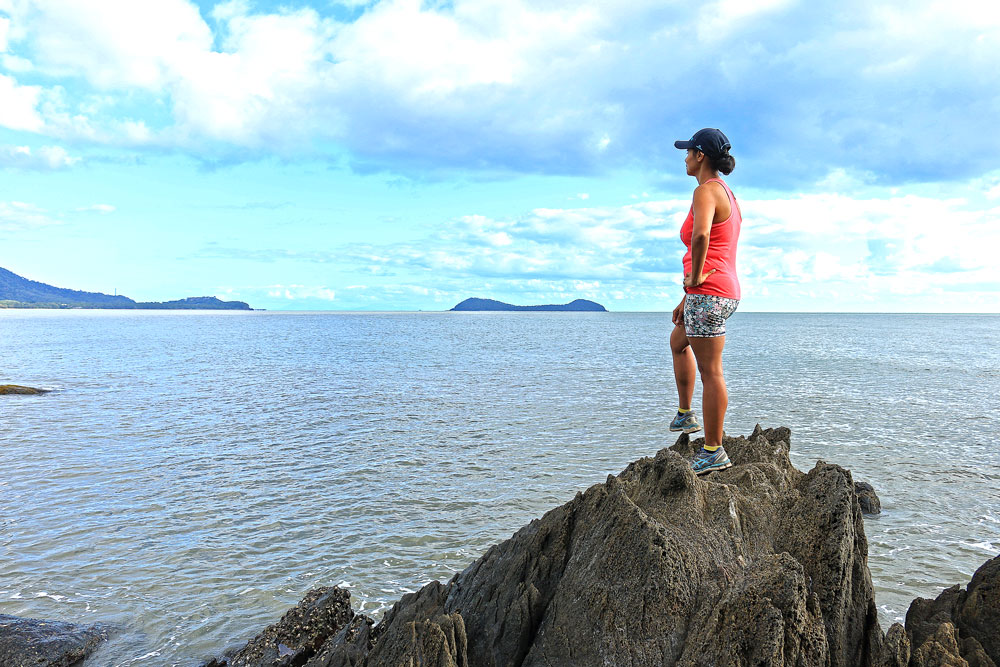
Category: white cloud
[18,105]
[115,43]
[16,63]
[97,208]
[301,292]
[555,86]
[46,157]
[816,251]
[4,29]
[19,216]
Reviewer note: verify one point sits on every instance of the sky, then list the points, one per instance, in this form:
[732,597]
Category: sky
[406,155]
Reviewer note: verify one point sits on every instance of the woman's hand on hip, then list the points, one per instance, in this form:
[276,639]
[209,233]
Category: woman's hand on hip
[678,316]
[692,281]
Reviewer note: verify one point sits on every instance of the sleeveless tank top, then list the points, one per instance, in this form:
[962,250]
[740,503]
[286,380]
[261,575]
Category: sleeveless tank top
[721,251]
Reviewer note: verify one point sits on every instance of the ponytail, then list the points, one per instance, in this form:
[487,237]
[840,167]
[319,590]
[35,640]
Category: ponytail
[724,163]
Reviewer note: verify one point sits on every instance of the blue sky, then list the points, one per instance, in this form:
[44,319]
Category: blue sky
[405,155]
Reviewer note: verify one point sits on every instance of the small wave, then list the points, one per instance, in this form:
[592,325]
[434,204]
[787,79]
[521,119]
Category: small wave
[151,654]
[57,598]
[983,546]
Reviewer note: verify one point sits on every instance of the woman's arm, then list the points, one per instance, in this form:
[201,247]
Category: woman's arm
[704,214]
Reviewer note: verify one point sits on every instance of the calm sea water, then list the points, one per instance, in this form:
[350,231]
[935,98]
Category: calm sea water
[195,474]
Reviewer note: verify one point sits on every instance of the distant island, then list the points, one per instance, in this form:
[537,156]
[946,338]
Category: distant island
[18,292]
[579,305]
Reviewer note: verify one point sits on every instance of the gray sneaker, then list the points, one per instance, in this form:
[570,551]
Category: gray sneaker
[707,461]
[687,422]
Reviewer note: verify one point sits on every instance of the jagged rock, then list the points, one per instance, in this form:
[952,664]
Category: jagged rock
[299,635]
[895,650]
[760,564]
[958,627]
[867,498]
[18,389]
[28,642]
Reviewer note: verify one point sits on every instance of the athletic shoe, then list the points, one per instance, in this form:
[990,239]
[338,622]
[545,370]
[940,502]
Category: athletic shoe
[687,422]
[707,461]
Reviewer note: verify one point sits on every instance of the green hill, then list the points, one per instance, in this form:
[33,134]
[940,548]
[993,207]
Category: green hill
[18,292]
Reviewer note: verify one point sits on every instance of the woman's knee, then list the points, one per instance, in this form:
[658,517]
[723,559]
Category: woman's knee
[678,341]
[711,375]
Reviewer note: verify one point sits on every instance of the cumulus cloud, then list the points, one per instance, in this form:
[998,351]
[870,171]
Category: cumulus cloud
[18,105]
[869,92]
[819,251]
[45,158]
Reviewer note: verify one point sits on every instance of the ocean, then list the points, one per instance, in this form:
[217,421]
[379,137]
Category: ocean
[195,473]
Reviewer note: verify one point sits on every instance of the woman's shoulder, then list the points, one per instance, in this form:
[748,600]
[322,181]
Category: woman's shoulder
[713,189]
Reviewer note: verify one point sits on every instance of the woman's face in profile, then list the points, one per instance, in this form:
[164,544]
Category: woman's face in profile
[691,161]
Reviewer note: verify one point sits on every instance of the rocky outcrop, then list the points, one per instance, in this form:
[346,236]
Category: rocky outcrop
[867,498]
[18,389]
[760,564]
[959,627]
[28,642]
[299,635]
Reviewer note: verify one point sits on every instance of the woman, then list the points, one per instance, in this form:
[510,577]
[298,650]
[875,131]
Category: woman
[712,292]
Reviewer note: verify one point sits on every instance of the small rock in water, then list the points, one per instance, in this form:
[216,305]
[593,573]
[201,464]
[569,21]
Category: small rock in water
[27,641]
[19,389]
[298,636]
[867,498]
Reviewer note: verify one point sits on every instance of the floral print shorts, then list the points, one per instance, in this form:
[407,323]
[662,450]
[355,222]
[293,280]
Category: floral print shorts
[705,315]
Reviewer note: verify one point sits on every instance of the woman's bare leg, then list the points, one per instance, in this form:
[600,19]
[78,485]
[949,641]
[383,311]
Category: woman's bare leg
[684,367]
[715,398]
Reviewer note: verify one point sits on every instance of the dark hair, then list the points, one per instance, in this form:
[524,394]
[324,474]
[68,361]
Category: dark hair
[724,163]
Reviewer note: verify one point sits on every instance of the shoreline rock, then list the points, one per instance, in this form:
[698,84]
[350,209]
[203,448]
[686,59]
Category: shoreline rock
[867,498]
[757,564]
[959,627]
[760,564]
[19,389]
[300,633]
[28,642]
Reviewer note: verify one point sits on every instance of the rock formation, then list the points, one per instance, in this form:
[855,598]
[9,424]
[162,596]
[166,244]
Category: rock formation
[760,564]
[959,627]
[300,633]
[18,389]
[27,642]
[867,498]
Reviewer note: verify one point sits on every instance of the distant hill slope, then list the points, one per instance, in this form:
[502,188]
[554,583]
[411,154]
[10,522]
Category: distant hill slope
[18,292]
[579,305]
[15,288]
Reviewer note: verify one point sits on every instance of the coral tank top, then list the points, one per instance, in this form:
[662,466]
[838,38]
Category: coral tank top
[721,251]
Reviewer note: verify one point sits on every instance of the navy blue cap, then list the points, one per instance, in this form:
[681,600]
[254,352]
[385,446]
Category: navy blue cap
[710,141]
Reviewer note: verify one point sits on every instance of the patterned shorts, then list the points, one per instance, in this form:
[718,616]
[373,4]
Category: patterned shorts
[705,315]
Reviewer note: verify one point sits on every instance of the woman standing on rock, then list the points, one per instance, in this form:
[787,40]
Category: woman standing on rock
[712,292]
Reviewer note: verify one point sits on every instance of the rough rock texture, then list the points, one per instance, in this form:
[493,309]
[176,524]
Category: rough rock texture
[895,649]
[959,627]
[760,564]
[18,389]
[300,633]
[867,498]
[26,641]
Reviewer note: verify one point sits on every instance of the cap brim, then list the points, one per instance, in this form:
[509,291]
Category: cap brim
[684,144]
